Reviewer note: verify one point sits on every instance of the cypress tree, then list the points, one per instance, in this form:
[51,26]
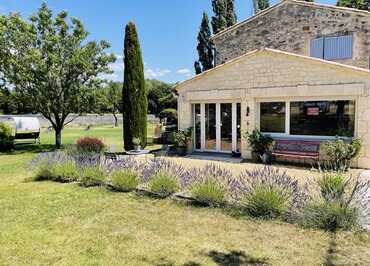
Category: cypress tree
[197,67]
[205,47]
[134,92]
[260,5]
[358,4]
[219,21]
[230,13]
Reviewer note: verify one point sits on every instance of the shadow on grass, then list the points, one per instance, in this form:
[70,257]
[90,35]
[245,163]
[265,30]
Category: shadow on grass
[235,258]
[332,251]
[29,148]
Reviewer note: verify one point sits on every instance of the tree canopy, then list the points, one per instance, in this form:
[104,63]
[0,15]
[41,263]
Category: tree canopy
[48,61]
[224,15]
[260,5]
[358,4]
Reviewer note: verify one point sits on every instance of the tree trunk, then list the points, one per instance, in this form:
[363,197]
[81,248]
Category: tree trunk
[115,120]
[58,138]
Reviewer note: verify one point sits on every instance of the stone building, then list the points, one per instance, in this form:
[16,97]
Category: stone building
[297,71]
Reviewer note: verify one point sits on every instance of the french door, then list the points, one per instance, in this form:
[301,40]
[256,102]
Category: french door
[216,127]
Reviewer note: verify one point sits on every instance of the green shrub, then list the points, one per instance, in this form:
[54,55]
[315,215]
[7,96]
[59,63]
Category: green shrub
[266,202]
[332,187]
[341,153]
[125,180]
[6,138]
[330,216]
[209,192]
[65,172]
[92,176]
[90,145]
[43,171]
[163,184]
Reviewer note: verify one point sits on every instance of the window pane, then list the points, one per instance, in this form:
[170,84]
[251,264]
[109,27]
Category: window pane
[210,125]
[197,142]
[272,117]
[322,118]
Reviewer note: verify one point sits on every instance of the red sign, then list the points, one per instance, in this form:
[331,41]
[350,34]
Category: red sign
[313,111]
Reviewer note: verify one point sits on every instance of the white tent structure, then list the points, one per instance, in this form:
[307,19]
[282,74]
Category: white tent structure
[23,127]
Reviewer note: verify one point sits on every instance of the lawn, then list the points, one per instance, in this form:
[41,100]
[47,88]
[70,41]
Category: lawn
[46,223]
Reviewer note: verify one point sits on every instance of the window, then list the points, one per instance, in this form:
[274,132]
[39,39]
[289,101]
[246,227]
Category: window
[332,48]
[322,118]
[272,117]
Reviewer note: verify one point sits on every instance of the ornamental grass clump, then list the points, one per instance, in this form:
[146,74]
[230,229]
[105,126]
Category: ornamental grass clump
[91,176]
[65,172]
[209,192]
[125,180]
[163,184]
[269,193]
[334,209]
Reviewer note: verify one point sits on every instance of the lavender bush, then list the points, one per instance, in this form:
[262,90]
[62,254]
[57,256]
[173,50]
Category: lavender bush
[271,190]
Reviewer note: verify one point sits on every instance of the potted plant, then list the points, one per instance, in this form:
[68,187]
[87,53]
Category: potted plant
[261,145]
[136,142]
[181,139]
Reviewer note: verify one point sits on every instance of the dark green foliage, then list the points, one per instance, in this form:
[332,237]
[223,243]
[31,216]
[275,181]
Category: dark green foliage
[6,138]
[205,46]
[163,184]
[125,180]
[219,21]
[259,142]
[209,192]
[260,5]
[161,96]
[231,18]
[358,4]
[197,67]
[48,61]
[266,202]
[331,216]
[170,114]
[134,94]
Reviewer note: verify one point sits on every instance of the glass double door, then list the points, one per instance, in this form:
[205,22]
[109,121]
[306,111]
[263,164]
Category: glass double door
[216,126]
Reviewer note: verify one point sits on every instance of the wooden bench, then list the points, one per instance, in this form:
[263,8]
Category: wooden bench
[297,148]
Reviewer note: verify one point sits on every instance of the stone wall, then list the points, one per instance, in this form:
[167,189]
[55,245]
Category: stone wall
[274,75]
[90,119]
[291,25]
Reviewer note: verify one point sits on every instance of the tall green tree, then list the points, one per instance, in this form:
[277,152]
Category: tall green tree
[161,96]
[109,99]
[197,67]
[219,21]
[231,18]
[49,62]
[358,4]
[260,5]
[205,47]
[134,94]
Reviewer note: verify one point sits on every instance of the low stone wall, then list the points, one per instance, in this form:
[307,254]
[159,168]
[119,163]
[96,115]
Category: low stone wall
[362,198]
[90,119]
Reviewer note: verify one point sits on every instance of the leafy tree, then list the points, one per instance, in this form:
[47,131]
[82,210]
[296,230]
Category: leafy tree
[205,47]
[358,4]
[161,96]
[49,62]
[260,5]
[231,18]
[134,94]
[219,21]
[110,99]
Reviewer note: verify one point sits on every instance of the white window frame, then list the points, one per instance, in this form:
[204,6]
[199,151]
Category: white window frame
[287,134]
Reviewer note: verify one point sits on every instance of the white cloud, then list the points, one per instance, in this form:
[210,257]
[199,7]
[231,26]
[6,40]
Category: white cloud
[156,73]
[183,71]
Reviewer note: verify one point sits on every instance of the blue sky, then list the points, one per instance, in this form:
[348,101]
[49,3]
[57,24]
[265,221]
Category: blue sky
[167,28]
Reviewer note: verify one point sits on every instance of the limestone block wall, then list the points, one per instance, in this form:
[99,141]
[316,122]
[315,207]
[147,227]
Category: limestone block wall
[269,74]
[290,26]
